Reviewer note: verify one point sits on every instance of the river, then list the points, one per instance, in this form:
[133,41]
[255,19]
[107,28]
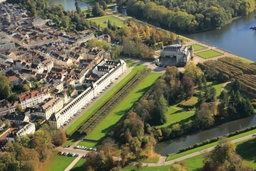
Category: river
[173,146]
[236,37]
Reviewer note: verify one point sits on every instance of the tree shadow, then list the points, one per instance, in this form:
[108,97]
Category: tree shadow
[143,90]
[247,150]
[179,111]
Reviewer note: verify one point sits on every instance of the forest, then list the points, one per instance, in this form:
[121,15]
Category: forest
[188,16]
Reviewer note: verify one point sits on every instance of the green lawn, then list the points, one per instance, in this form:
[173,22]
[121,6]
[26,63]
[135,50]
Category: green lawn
[87,144]
[59,163]
[177,155]
[208,54]
[100,102]
[217,86]
[103,21]
[197,47]
[79,165]
[71,140]
[129,63]
[247,150]
[150,160]
[176,114]
[122,108]
[195,163]
[190,102]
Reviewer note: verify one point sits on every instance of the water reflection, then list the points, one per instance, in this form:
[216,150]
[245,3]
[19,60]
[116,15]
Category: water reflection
[236,37]
[173,146]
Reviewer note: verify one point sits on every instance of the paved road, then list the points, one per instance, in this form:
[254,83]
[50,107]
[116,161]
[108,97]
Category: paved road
[193,154]
[72,164]
[162,158]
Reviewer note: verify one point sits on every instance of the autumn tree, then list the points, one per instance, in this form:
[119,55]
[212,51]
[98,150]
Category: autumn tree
[187,86]
[178,166]
[5,88]
[224,158]
[204,115]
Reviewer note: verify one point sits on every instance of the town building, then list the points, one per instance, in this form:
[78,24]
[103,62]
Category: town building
[45,110]
[28,99]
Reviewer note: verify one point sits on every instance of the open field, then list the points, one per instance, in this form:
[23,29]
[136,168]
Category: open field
[176,114]
[59,163]
[178,155]
[79,165]
[103,21]
[197,47]
[104,99]
[108,123]
[208,54]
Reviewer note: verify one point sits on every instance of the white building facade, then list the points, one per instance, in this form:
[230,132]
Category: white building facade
[59,119]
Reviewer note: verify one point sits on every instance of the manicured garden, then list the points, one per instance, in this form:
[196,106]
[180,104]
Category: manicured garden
[103,21]
[79,165]
[197,47]
[100,102]
[108,123]
[58,162]
[208,54]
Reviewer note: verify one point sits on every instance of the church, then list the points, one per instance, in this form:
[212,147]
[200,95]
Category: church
[175,55]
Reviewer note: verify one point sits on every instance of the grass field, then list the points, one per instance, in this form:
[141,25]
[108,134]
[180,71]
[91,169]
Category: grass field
[100,102]
[122,108]
[79,165]
[197,47]
[102,21]
[190,102]
[208,54]
[217,86]
[195,163]
[59,163]
[177,155]
[87,144]
[247,150]
[129,63]
[176,114]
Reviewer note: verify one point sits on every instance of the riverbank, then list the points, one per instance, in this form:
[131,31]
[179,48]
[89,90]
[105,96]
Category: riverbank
[181,154]
[171,160]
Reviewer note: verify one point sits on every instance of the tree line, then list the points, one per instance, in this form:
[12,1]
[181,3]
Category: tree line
[189,15]
[27,152]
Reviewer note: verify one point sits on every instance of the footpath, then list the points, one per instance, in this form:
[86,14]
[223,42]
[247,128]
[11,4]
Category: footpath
[161,162]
